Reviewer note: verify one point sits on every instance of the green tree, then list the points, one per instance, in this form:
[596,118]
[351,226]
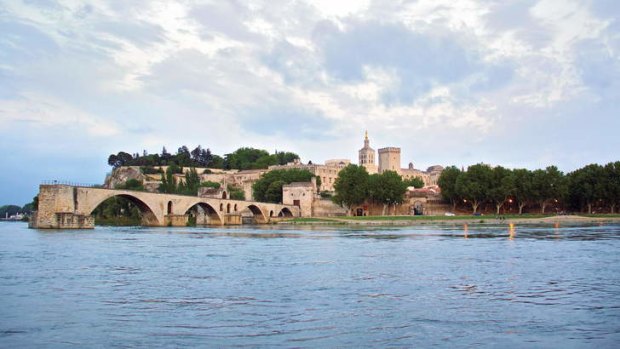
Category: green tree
[131,184]
[351,186]
[274,191]
[473,184]
[244,158]
[447,183]
[586,186]
[264,189]
[612,185]
[210,184]
[548,185]
[523,190]
[236,193]
[501,187]
[168,182]
[191,184]
[415,182]
[386,188]
[9,210]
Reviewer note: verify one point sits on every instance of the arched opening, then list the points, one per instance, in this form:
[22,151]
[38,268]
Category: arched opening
[235,207]
[224,195]
[257,215]
[285,213]
[271,213]
[221,207]
[203,214]
[169,211]
[418,208]
[124,210]
[228,208]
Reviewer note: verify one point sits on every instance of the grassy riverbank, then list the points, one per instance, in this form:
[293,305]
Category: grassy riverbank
[414,220]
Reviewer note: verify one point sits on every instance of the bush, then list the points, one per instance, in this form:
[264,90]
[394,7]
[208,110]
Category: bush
[150,170]
[210,184]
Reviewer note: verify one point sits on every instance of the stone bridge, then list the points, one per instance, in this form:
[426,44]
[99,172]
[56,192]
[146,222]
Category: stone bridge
[71,207]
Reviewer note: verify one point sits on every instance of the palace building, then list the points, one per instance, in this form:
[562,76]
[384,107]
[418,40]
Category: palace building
[389,160]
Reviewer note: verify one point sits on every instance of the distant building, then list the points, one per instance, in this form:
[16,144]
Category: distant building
[367,156]
[327,173]
[389,160]
[300,194]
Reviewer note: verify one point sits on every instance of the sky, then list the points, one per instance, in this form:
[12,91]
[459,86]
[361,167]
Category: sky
[522,84]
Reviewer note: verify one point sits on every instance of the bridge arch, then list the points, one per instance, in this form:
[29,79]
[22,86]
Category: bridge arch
[205,214]
[149,218]
[259,216]
[285,212]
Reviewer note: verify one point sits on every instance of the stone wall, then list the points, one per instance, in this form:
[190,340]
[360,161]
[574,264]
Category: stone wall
[301,195]
[326,208]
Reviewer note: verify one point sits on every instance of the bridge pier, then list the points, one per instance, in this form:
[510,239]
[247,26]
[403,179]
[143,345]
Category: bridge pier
[61,220]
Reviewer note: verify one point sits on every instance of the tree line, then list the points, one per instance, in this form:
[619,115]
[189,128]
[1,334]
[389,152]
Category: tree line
[12,210]
[241,159]
[354,186]
[592,186]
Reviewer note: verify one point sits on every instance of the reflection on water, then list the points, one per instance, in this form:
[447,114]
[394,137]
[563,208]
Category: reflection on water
[510,286]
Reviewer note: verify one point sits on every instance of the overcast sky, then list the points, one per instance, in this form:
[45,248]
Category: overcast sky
[516,83]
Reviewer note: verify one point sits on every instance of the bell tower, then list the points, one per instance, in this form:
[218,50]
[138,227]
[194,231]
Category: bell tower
[367,156]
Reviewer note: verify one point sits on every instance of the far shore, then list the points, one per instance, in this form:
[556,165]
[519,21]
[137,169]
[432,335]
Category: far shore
[451,220]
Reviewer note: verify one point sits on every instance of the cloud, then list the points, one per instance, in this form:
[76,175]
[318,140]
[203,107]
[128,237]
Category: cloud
[43,113]
[419,60]
[449,82]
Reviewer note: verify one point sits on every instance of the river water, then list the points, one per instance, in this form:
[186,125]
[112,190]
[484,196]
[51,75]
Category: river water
[475,286]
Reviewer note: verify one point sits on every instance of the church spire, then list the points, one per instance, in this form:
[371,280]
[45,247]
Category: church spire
[366,141]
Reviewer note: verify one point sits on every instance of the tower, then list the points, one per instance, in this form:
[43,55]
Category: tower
[367,156]
[389,159]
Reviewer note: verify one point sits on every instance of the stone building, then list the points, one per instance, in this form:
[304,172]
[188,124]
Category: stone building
[328,172]
[367,156]
[389,160]
[300,194]
[304,195]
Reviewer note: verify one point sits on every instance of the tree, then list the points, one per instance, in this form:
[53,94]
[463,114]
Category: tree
[548,184]
[586,186]
[210,184]
[131,184]
[265,190]
[235,193]
[283,157]
[612,185]
[120,159]
[415,182]
[245,158]
[196,153]
[386,188]
[168,182]
[501,187]
[9,210]
[473,184]
[523,191]
[351,186]
[191,184]
[447,183]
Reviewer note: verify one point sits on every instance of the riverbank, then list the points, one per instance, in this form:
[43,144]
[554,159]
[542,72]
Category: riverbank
[421,220]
